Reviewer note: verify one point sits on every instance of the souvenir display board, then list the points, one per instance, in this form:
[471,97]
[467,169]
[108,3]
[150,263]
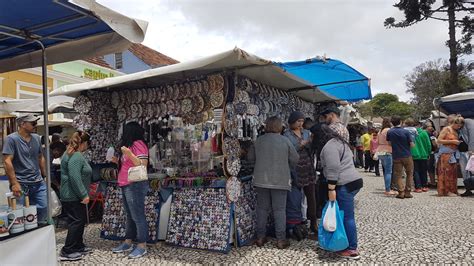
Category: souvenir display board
[200,218]
[97,118]
[114,217]
[246,214]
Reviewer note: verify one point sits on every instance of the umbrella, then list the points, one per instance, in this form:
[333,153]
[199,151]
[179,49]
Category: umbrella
[64,31]
[332,76]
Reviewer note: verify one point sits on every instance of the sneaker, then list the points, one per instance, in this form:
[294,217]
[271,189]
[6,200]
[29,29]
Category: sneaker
[425,189]
[137,253]
[408,196]
[124,247]
[86,250]
[467,193]
[70,257]
[400,196]
[418,190]
[349,254]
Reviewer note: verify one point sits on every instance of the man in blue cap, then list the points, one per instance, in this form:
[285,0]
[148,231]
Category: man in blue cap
[25,164]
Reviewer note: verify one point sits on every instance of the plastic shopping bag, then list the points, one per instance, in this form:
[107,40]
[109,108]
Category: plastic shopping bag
[470,164]
[55,204]
[329,219]
[337,240]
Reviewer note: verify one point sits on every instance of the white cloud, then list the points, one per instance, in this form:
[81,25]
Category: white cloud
[351,31]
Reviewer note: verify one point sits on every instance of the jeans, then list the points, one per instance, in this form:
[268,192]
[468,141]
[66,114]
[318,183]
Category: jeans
[267,200]
[420,173]
[77,218]
[133,196]
[38,194]
[345,199]
[387,164]
[294,215]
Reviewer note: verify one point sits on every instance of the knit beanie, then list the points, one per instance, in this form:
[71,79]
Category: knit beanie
[295,116]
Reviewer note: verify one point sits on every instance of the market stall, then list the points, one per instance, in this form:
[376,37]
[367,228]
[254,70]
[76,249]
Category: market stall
[200,118]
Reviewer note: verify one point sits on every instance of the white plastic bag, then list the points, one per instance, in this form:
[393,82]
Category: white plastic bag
[55,204]
[470,164]
[329,219]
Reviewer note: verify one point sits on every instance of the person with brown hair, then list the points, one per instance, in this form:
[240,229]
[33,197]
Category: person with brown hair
[384,154]
[303,176]
[75,180]
[448,158]
[273,154]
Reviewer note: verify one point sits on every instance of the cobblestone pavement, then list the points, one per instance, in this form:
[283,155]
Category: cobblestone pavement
[425,229]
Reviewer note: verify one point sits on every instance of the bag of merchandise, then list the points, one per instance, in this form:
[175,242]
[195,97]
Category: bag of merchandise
[337,240]
[329,219]
[55,204]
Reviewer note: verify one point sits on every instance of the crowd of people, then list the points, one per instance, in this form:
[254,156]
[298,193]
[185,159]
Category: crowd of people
[416,152]
[297,170]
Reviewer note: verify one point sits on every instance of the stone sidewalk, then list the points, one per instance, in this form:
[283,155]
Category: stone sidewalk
[425,229]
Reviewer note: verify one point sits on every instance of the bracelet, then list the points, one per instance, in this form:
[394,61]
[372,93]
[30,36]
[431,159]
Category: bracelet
[332,189]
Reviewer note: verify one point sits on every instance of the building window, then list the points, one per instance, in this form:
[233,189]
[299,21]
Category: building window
[118,61]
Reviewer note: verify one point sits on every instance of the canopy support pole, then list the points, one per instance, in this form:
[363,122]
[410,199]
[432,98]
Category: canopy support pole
[46,128]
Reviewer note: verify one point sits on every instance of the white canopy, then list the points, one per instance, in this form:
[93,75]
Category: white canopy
[55,104]
[237,60]
[463,96]
[125,32]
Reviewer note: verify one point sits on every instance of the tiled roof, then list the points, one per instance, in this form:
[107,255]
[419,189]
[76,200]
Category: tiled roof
[151,57]
[98,60]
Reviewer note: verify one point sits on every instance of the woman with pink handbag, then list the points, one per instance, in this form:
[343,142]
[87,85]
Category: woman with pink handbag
[134,156]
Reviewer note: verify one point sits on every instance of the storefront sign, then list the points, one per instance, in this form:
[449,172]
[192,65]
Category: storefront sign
[96,74]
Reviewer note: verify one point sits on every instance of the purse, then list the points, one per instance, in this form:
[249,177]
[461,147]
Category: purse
[137,174]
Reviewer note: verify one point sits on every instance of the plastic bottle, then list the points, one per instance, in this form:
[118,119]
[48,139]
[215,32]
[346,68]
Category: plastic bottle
[110,154]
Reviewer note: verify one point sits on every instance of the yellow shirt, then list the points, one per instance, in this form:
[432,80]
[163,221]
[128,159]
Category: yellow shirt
[365,139]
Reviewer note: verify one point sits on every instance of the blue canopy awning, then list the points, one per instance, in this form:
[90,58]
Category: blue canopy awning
[69,30]
[333,77]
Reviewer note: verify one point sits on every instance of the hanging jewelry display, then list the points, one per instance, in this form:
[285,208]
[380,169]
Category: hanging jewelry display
[200,228]
[246,214]
[233,189]
[82,104]
[114,217]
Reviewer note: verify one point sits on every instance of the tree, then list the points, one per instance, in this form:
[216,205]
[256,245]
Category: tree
[444,10]
[385,104]
[429,81]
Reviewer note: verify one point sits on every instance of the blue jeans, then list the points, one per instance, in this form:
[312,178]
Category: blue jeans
[294,216]
[345,199]
[133,197]
[387,164]
[38,194]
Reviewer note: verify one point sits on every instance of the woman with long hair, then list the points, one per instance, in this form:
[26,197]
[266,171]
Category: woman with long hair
[448,158]
[75,180]
[303,175]
[343,179]
[384,154]
[134,152]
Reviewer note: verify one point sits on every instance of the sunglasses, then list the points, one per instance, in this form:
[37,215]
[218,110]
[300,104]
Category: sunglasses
[34,123]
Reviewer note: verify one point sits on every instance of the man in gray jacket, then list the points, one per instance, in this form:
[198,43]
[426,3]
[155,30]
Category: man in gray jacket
[273,154]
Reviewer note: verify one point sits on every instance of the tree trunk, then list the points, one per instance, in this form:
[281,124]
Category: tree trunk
[453,58]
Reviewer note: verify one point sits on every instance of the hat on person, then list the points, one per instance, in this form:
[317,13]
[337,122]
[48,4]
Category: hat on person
[295,116]
[27,118]
[331,109]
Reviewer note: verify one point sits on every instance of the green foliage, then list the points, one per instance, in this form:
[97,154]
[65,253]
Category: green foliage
[385,105]
[430,80]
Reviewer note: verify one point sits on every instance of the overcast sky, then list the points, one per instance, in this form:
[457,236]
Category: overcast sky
[351,31]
